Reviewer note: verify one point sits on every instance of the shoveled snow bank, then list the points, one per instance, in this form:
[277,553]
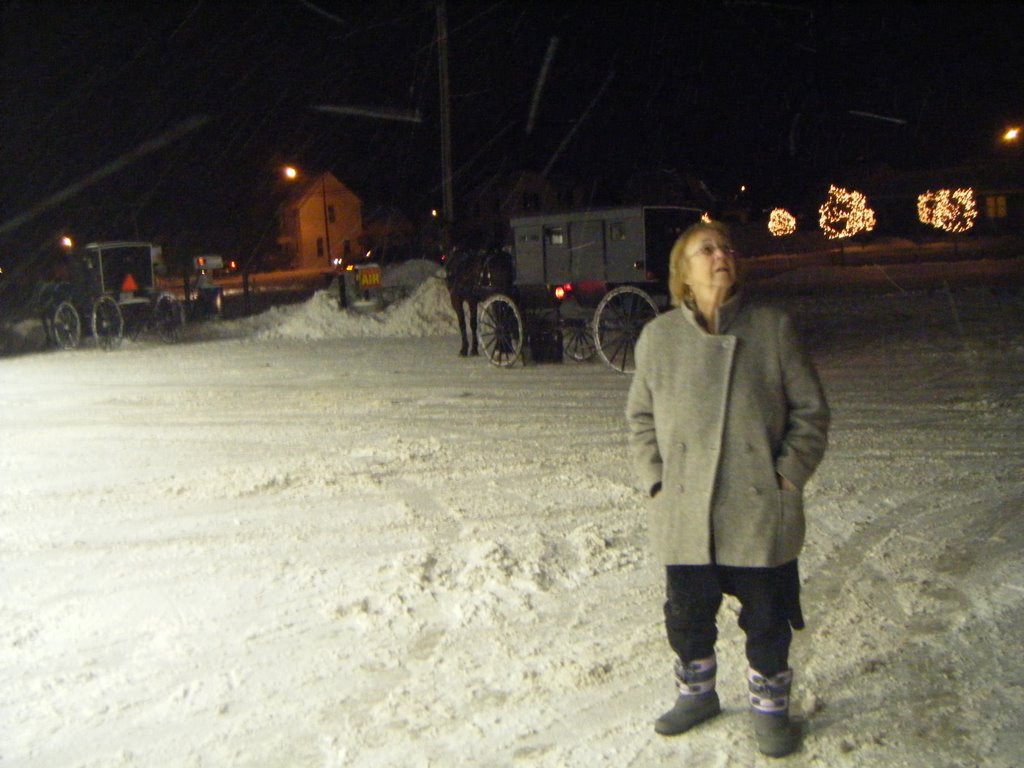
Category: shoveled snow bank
[426,312]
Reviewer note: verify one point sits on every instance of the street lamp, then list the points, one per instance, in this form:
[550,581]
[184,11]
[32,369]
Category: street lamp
[1012,134]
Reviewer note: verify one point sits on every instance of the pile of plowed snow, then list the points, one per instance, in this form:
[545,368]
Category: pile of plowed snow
[425,310]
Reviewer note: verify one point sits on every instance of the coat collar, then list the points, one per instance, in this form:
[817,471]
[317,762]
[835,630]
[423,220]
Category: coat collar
[727,314]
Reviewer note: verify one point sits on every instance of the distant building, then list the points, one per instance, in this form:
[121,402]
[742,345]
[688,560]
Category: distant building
[487,209]
[390,236]
[668,186]
[320,225]
[998,192]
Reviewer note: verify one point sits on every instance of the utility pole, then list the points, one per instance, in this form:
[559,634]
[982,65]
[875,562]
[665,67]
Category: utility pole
[327,224]
[448,201]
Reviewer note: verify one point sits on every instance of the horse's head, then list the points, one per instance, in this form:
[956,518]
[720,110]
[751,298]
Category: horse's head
[458,262]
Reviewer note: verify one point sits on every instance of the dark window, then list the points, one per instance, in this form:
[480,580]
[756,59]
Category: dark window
[330,213]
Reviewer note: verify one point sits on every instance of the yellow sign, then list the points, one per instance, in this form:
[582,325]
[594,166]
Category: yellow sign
[368,277]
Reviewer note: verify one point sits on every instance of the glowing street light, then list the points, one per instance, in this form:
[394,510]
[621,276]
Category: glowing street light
[290,172]
[67,242]
[1012,134]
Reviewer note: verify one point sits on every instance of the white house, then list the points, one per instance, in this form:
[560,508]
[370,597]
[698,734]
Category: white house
[321,223]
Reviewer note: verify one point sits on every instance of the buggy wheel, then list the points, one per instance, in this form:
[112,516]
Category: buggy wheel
[168,317]
[107,323]
[578,340]
[619,318]
[65,326]
[500,330]
[133,326]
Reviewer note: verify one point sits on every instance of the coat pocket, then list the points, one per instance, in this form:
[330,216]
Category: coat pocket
[792,526]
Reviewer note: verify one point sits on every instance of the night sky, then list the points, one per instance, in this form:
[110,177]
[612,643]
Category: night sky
[170,120]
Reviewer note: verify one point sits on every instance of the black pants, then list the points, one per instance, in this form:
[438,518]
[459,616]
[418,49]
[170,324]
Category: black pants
[770,606]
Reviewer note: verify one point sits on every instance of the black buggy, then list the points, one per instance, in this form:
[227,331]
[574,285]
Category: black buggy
[585,283]
[108,290]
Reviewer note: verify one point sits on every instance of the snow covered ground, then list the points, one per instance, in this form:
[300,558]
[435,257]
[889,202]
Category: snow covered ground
[311,539]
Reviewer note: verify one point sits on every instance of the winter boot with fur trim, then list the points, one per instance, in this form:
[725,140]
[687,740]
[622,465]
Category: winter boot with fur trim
[777,735]
[697,700]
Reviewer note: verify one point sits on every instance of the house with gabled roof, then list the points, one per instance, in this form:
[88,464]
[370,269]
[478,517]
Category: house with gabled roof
[320,224]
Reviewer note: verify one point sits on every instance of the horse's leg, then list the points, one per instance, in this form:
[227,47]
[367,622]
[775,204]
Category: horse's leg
[460,313]
[472,326]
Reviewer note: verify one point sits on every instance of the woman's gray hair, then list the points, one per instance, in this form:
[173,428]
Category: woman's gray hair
[678,289]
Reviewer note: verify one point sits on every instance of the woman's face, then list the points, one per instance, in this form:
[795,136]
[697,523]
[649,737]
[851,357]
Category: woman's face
[710,261]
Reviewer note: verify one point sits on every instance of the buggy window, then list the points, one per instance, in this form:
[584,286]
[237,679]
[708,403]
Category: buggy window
[122,267]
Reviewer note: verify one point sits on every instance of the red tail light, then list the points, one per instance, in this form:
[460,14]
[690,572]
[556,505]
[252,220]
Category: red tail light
[561,291]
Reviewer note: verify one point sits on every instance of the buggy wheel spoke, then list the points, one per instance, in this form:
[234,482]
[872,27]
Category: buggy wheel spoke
[500,330]
[618,320]
[578,341]
[66,326]
[107,323]
[169,317]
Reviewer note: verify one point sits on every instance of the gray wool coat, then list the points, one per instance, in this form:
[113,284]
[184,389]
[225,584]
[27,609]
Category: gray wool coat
[713,418]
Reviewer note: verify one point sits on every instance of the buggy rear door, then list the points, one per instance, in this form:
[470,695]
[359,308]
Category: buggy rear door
[557,267]
[586,240]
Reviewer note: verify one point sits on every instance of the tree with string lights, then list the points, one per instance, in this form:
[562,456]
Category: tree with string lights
[781,222]
[845,213]
[951,210]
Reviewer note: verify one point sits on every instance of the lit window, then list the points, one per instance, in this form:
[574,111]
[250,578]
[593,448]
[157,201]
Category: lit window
[995,206]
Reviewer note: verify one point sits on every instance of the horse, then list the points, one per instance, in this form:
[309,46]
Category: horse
[472,276]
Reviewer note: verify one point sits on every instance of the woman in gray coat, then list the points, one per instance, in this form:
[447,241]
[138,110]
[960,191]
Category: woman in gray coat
[727,422]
